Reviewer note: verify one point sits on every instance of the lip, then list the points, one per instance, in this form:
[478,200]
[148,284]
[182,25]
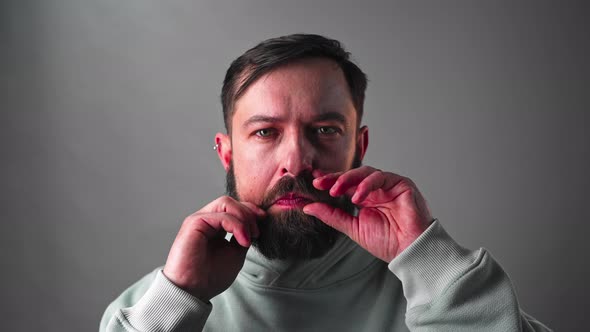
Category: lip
[292,200]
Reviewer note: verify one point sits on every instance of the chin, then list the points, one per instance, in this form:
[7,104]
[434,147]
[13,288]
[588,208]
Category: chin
[290,234]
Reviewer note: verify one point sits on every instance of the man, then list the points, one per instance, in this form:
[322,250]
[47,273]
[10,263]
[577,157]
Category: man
[319,241]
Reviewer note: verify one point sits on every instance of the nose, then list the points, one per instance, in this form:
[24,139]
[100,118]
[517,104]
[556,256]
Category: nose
[297,156]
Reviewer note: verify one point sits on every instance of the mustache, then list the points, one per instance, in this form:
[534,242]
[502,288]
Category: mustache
[300,184]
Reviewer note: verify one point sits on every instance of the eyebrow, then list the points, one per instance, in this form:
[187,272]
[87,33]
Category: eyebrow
[262,118]
[328,116]
[331,116]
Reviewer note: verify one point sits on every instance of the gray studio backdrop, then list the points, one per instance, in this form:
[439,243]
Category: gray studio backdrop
[108,111]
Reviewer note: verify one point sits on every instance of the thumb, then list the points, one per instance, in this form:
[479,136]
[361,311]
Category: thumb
[333,217]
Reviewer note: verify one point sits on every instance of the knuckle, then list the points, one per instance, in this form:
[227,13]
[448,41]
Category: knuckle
[224,203]
[410,182]
[193,222]
[388,174]
[407,184]
[367,170]
[192,218]
[225,200]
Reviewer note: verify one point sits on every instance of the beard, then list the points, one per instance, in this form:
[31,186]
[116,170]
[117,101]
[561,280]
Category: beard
[292,234]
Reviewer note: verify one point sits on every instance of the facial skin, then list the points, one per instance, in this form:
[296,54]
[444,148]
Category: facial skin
[298,121]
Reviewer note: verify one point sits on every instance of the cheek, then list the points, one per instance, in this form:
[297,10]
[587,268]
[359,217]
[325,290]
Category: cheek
[336,163]
[337,158]
[254,175]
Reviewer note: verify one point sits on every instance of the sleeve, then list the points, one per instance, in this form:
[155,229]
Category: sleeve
[155,304]
[450,288]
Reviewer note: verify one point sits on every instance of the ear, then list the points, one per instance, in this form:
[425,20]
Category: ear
[223,148]
[362,141]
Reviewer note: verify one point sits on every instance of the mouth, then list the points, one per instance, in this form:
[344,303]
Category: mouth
[292,200]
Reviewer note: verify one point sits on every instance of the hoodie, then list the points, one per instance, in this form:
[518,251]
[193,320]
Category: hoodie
[433,285]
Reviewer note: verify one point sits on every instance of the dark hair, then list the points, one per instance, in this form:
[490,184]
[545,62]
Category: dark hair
[275,52]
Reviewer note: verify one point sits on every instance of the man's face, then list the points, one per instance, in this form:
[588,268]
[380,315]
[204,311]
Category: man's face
[296,120]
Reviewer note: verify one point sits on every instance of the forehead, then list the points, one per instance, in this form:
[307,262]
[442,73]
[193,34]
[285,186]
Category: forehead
[302,89]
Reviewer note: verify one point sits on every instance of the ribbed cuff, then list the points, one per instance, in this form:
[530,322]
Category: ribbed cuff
[430,264]
[165,307]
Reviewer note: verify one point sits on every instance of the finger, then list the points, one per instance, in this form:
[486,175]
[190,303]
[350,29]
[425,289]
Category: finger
[251,213]
[326,181]
[399,186]
[211,225]
[245,212]
[260,213]
[240,250]
[254,208]
[350,179]
[316,173]
[229,205]
[333,217]
[373,182]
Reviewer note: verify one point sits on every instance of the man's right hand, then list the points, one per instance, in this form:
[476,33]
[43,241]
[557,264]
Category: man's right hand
[201,261]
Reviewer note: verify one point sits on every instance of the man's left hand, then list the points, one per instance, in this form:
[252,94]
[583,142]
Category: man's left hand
[392,212]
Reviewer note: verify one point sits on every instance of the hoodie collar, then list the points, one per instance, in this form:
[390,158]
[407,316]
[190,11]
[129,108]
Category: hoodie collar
[342,261]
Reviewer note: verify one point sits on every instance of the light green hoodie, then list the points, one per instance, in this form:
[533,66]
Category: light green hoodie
[433,285]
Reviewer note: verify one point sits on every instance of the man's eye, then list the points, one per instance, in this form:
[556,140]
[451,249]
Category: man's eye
[327,130]
[266,132]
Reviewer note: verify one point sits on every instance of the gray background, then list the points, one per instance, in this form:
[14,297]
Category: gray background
[108,111]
